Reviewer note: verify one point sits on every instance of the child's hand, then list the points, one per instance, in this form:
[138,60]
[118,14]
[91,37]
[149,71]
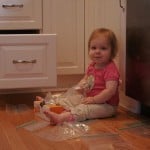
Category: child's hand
[80,90]
[88,100]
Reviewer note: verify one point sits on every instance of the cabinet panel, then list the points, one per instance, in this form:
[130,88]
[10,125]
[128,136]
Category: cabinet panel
[66,19]
[73,21]
[20,14]
[102,13]
[27,61]
[18,62]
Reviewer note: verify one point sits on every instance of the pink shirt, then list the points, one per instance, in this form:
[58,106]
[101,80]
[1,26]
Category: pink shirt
[101,76]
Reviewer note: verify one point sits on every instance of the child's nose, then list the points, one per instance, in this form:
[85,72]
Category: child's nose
[97,50]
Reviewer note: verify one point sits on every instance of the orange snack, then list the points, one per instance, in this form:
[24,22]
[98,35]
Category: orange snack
[56,108]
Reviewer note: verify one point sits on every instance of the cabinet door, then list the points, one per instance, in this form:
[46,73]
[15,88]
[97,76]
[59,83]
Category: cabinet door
[27,61]
[20,14]
[102,13]
[66,19]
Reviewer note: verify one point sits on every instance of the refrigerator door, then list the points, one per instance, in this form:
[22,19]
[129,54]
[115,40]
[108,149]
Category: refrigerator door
[138,51]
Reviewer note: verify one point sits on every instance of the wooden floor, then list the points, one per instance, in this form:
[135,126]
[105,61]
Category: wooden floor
[126,131]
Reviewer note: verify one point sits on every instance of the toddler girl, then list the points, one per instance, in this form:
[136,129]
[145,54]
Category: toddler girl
[101,96]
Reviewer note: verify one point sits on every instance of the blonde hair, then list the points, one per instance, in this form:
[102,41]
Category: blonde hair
[109,35]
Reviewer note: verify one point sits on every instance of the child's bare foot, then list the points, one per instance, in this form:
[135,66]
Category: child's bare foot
[54,118]
[57,118]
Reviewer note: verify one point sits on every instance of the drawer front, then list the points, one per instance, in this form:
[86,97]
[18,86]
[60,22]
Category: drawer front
[23,60]
[20,14]
[27,61]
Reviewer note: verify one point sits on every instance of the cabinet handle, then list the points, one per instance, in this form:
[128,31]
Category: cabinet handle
[13,6]
[121,5]
[24,61]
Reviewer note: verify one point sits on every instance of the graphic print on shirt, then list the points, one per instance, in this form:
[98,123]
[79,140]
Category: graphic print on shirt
[90,82]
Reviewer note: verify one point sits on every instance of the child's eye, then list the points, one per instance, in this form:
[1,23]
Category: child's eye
[103,48]
[93,47]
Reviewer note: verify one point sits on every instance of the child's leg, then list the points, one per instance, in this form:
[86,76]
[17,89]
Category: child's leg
[93,111]
[101,111]
[59,118]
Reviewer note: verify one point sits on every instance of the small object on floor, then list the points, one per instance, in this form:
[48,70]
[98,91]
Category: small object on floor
[54,108]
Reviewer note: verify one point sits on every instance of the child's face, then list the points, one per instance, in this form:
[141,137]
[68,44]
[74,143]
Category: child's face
[100,51]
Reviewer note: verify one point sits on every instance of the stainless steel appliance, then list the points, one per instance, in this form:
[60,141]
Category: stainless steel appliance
[138,52]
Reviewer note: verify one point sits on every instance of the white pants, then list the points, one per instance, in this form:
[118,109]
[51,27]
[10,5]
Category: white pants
[93,111]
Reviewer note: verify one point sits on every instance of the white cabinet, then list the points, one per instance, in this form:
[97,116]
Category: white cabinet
[73,21]
[66,19]
[102,13]
[27,61]
[20,14]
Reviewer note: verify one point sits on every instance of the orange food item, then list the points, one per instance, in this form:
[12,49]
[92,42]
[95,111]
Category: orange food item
[56,108]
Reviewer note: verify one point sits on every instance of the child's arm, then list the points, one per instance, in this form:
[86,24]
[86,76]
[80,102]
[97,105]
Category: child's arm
[80,87]
[106,94]
[82,81]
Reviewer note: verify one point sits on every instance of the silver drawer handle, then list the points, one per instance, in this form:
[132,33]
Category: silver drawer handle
[24,61]
[13,6]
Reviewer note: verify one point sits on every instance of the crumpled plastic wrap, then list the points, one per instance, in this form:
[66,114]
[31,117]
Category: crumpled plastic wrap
[21,112]
[106,141]
[68,130]
[72,96]
[65,100]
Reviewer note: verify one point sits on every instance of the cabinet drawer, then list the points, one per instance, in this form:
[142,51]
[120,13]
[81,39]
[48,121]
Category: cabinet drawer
[27,61]
[20,14]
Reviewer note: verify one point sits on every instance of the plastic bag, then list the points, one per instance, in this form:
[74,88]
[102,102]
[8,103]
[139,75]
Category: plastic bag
[106,141]
[58,102]
[19,114]
[67,130]
[64,132]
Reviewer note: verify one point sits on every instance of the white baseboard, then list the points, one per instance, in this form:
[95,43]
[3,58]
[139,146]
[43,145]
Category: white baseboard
[129,103]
